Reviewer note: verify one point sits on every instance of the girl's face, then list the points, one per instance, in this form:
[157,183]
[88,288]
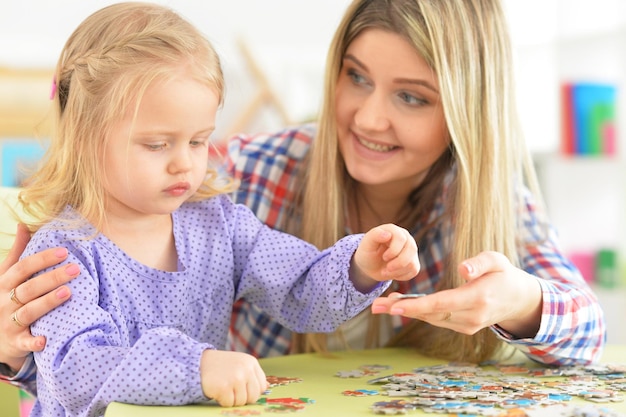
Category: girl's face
[390,121]
[158,161]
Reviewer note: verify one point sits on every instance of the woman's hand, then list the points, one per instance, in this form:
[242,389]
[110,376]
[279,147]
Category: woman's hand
[21,302]
[495,292]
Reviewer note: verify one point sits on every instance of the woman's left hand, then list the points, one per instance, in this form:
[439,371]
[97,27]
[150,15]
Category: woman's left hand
[495,292]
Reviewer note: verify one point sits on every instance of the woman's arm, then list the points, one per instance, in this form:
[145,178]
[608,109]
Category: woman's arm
[544,308]
[21,303]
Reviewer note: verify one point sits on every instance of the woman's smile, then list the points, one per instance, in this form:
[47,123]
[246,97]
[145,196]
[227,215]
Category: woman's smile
[375,146]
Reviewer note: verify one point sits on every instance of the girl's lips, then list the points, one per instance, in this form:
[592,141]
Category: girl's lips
[178,189]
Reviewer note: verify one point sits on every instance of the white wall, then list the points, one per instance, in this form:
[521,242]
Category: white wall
[32,32]
[288,38]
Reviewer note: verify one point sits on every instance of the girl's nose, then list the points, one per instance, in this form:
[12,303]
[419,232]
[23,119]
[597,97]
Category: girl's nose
[181,161]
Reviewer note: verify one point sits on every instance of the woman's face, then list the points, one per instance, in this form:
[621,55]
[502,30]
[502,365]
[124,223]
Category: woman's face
[390,120]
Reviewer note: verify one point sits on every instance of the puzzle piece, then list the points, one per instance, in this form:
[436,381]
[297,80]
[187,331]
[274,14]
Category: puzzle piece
[359,392]
[392,407]
[510,390]
[274,381]
[286,400]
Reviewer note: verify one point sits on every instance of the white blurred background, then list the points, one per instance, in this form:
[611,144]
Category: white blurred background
[288,40]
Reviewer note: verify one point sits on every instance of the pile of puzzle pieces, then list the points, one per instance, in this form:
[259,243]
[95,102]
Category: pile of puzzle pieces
[498,390]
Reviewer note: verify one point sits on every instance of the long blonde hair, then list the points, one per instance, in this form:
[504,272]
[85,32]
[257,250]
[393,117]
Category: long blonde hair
[105,67]
[466,43]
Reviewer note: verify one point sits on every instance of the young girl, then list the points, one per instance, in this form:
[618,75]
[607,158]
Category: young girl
[163,253]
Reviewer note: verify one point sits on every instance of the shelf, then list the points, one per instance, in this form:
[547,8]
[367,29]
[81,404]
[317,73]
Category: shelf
[585,200]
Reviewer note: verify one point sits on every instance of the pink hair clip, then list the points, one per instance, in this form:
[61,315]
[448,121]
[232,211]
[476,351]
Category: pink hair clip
[53,88]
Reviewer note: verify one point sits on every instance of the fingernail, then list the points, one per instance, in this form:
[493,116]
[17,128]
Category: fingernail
[61,253]
[469,267]
[40,343]
[395,311]
[379,309]
[72,270]
[62,293]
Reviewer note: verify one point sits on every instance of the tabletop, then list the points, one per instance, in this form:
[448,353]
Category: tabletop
[339,384]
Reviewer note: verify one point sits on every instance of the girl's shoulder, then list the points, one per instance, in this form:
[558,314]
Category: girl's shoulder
[216,218]
[69,230]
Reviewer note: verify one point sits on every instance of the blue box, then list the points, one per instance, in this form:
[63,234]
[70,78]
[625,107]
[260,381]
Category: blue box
[18,158]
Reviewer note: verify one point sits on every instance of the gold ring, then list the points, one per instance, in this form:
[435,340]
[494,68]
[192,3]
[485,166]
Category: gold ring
[14,298]
[447,316]
[16,320]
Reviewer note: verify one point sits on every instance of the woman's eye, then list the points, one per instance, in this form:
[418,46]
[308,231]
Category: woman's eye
[356,77]
[411,99]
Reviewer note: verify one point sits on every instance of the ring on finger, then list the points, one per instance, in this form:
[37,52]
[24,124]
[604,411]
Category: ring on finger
[446,316]
[14,298]
[16,320]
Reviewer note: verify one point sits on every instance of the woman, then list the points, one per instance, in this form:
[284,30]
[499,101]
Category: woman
[419,128]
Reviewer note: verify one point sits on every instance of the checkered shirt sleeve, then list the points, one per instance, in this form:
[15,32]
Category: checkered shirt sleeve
[572,329]
[25,378]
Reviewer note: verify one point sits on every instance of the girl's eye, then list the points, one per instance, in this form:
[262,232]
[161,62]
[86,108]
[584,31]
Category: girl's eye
[155,146]
[411,99]
[195,143]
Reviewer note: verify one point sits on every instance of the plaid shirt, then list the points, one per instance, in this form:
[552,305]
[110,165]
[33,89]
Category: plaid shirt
[572,327]
[25,378]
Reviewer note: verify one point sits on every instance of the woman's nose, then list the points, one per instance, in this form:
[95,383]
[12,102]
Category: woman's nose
[372,114]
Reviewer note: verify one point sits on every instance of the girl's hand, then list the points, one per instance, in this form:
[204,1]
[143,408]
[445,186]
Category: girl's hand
[232,378]
[21,302]
[495,292]
[386,252]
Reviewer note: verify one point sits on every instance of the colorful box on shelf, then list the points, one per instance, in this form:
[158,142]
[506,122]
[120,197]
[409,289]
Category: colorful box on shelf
[588,118]
[18,156]
[598,266]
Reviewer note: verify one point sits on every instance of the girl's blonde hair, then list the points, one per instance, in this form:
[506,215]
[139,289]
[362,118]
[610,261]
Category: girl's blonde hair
[105,68]
[466,43]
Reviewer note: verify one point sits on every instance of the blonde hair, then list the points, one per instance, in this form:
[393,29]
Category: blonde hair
[466,43]
[105,67]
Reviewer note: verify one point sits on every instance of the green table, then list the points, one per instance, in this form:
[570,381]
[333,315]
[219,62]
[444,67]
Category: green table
[320,384]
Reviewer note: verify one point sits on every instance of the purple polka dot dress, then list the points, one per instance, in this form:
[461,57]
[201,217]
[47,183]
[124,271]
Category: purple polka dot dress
[135,334]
